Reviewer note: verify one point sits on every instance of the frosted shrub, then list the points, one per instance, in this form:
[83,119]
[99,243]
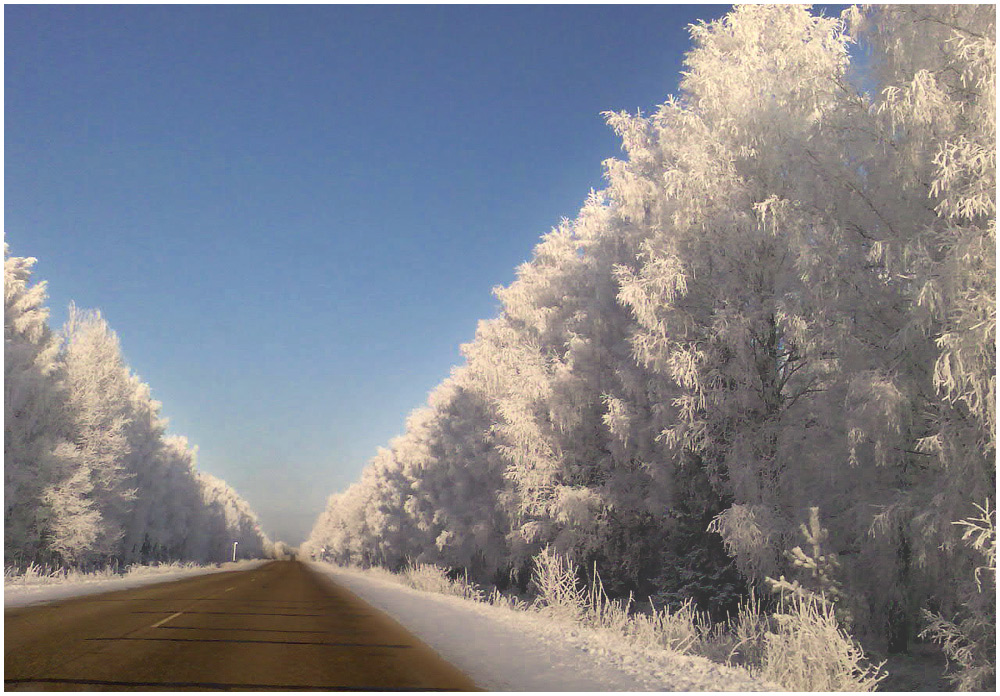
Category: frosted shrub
[380,572]
[817,570]
[462,587]
[35,574]
[970,645]
[431,578]
[604,612]
[808,648]
[684,630]
[499,599]
[674,630]
[135,570]
[809,651]
[748,633]
[554,577]
[427,577]
[801,648]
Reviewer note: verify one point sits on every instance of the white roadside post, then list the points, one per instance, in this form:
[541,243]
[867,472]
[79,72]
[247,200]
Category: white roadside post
[235,544]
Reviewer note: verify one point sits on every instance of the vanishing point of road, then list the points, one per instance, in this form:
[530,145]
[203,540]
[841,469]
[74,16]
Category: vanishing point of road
[278,627]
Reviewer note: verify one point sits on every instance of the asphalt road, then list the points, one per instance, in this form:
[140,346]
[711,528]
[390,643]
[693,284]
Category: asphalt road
[279,627]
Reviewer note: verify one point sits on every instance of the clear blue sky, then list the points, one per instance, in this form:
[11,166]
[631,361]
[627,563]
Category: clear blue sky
[293,216]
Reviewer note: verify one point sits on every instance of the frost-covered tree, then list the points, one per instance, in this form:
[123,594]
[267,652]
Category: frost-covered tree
[573,407]
[772,190]
[172,501]
[90,475]
[223,518]
[931,197]
[335,530]
[781,310]
[429,497]
[99,389]
[360,526]
[145,433]
[732,287]
[455,473]
[37,452]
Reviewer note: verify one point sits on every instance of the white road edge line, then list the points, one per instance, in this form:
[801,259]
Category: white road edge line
[163,621]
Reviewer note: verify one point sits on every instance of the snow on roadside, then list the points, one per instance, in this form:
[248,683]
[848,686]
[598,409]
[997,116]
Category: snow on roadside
[507,650]
[20,593]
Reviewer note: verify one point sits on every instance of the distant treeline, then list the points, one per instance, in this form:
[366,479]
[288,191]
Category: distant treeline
[90,476]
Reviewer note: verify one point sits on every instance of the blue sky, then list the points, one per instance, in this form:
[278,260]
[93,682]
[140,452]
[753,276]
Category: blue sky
[293,216]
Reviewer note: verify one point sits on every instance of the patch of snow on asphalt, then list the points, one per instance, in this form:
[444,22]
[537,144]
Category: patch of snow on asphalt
[508,650]
[20,593]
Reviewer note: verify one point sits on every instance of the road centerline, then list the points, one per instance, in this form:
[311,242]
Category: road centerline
[163,621]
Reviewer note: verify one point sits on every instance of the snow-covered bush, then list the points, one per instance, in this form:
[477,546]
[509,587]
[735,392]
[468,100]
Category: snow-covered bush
[35,575]
[32,574]
[677,629]
[807,647]
[809,651]
[681,629]
[557,586]
[747,633]
[602,611]
[431,578]
[499,599]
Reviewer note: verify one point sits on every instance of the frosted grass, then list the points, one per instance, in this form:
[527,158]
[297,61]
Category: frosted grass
[800,648]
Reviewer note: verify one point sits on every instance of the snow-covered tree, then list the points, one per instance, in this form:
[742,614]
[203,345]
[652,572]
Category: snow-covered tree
[455,473]
[173,501]
[37,453]
[731,289]
[802,268]
[90,475]
[781,311]
[574,410]
[931,197]
[99,399]
[429,497]
[226,518]
[363,525]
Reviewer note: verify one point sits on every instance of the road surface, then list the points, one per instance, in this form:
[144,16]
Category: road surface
[278,627]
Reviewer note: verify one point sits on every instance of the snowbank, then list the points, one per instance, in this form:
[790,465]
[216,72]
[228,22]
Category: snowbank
[18,592]
[507,650]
